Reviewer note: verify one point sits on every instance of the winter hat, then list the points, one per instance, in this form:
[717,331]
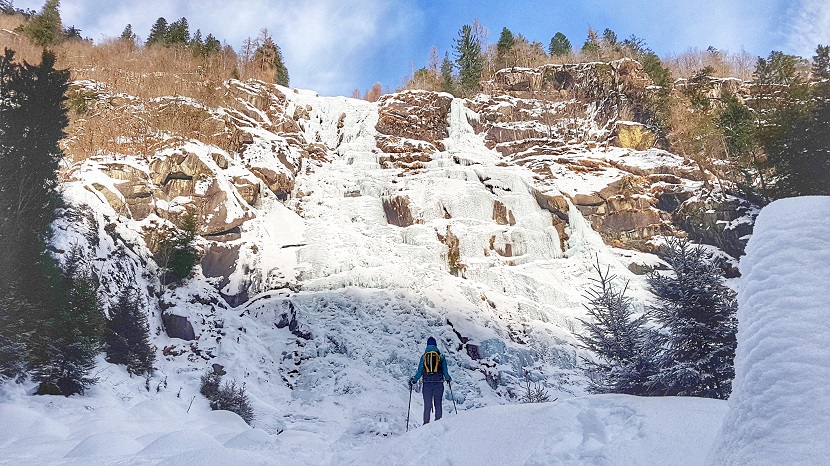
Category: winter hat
[431,341]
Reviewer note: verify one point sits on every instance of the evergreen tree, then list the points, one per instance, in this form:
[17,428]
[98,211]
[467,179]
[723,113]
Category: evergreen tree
[158,33]
[45,28]
[469,59]
[32,119]
[792,126]
[178,33]
[176,251]
[610,37]
[212,45]
[127,335]
[196,44]
[559,45]
[65,348]
[737,122]
[801,157]
[504,47]
[591,46]
[821,63]
[127,34]
[619,339]
[447,78]
[698,313]
[779,68]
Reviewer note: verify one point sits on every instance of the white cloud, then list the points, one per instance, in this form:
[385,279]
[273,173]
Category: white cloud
[809,27]
[326,43]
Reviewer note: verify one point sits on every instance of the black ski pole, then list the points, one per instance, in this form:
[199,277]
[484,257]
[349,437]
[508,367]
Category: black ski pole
[453,398]
[409,406]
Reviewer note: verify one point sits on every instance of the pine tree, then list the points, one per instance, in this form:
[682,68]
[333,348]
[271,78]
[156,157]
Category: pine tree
[268,59]
[64,349]
[821,63]
[212,45]
[609,37]
[45,28]
[591,47]
[158,33]
[178,33]
[469,59]
[503,48]
[698,313]
[176,251]
[127,34]
[559,45]
[32,119]
[619,339]
[127,335]
[447,78]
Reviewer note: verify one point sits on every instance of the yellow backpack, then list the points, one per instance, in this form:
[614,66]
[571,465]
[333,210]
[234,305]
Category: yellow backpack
[432,362]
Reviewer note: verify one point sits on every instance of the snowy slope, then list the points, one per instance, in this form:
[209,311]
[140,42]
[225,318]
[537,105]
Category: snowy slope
[779,410]
[607,430]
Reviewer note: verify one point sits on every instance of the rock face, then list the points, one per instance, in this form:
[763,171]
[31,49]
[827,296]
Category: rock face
[631,135]
[418,115]
[724,222]
[397,211]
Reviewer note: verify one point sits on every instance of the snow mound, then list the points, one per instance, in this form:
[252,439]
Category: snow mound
[778,411]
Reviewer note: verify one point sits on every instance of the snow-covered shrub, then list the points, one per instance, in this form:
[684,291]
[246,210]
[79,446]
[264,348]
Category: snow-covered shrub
[534,392]
[233,398]
[210,383]
[227,396]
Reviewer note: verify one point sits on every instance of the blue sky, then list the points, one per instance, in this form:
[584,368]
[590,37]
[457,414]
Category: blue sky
[335,46]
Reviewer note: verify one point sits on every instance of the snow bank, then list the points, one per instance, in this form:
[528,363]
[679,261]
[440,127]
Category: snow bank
[779,409]
[602,429]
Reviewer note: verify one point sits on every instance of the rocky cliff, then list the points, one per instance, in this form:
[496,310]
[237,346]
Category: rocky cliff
[332,229]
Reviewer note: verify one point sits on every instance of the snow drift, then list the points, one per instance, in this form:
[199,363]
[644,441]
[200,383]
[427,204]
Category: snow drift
[779,409]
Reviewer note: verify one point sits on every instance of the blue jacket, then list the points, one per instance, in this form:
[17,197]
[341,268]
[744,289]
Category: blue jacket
[428,377]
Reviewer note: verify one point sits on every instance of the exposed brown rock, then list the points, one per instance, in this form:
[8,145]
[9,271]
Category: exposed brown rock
[397,211]
[417,115]
[279,183]
[248,189]
[502,215]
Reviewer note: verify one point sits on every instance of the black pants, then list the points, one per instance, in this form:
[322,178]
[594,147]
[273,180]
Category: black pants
[433,394]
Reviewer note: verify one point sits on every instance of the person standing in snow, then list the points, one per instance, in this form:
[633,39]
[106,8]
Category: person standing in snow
[433,367]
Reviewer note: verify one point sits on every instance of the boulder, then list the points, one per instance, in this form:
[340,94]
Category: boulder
[248,189]
[715,221]
[177,326]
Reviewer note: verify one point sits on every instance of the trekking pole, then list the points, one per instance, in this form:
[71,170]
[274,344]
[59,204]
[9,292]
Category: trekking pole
[409,407]
[453,398]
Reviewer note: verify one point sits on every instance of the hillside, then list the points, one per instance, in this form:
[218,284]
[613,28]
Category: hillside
[337,234]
